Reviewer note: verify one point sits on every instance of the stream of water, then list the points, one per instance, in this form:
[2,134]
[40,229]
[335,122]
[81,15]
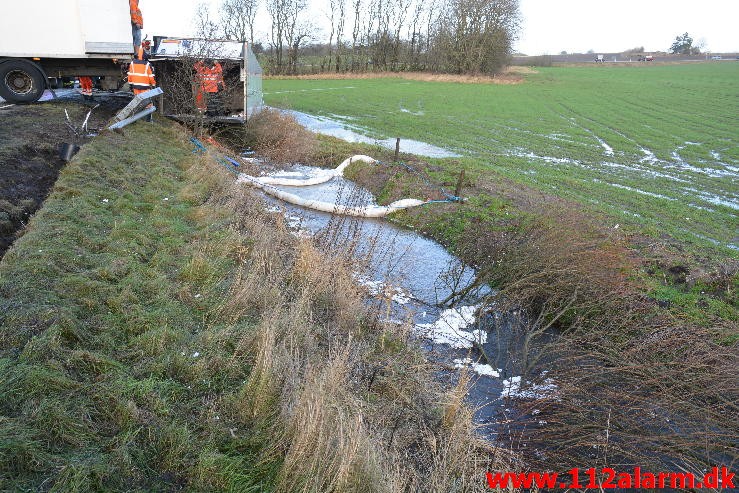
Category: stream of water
[410,276]
[413,275]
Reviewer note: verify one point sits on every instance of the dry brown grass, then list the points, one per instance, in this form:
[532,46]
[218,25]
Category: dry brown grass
[637,385]
[510,76]
[279,138]
[347,403]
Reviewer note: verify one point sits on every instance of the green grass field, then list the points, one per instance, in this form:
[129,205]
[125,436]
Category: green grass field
[655,147]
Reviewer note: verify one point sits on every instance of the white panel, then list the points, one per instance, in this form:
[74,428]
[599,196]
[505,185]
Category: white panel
[106,22]
[108,48]
[43,28]
[60,28]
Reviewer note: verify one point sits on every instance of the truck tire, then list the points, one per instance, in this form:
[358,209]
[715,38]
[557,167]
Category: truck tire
[21,81]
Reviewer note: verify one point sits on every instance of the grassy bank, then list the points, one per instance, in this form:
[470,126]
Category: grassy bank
[641,338]
[160,331]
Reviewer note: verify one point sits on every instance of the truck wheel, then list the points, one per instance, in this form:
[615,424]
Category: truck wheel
[21,81]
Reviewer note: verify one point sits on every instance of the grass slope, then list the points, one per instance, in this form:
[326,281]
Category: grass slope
[159,331]
[100,387]
[654,147]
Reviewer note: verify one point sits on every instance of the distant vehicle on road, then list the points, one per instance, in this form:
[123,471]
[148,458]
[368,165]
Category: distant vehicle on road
[599,59]
[646,58]
[716,57]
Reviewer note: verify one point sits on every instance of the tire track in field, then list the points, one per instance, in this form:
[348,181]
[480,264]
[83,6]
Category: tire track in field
[634,174]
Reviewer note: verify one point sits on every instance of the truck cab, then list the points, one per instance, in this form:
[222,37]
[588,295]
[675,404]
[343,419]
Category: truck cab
[63,38]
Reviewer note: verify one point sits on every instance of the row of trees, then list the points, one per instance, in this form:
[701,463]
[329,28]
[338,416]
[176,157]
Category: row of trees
[456,36]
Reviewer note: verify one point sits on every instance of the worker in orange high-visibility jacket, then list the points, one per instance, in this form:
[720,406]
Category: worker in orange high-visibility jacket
[208,79]
[86,86]
[137,24]
[140,74]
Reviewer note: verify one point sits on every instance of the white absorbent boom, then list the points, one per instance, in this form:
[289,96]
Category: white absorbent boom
[268,183]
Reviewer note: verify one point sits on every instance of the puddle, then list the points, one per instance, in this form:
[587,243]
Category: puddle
[354,133]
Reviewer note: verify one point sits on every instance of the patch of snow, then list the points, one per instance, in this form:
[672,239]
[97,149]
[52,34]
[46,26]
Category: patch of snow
[448,329]
[519,152]
[512,388]
[716,200]
[715,155]
[637,190]
[688,143]
[479,368]
[640,169]
[608,149]
[293,222]
[712,172]
[414,113]
[649,156]
[380,288]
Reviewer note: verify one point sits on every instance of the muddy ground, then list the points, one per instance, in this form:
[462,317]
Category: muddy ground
[30,139]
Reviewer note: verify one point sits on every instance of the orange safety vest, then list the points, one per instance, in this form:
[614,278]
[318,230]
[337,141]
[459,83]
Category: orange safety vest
[136,16]
[209,77]
[141,76]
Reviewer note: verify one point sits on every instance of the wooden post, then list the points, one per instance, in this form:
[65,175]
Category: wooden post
[397,148]
[460,181]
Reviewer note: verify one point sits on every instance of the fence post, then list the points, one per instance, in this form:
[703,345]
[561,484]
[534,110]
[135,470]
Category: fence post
[458,190]
[397,148]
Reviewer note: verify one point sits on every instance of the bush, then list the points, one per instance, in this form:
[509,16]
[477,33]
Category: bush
[279,138]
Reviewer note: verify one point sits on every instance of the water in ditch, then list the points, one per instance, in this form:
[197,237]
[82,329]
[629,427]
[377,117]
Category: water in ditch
[411,276]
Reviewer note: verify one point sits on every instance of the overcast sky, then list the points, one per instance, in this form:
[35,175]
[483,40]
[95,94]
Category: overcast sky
[549,26]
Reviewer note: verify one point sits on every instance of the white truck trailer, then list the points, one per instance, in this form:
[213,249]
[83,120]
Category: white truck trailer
[61,38]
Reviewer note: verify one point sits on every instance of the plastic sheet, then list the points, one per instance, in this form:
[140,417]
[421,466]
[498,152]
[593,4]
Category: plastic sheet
[320,177]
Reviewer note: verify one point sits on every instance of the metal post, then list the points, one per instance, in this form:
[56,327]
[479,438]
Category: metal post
[245,63]
[131,119]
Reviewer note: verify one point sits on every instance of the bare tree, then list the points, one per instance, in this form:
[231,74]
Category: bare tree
[339,31]
[277,10]
[357,7]
[290,29]
[237,17]
[205,26]
[326,62]
[475,36]
[460,36]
